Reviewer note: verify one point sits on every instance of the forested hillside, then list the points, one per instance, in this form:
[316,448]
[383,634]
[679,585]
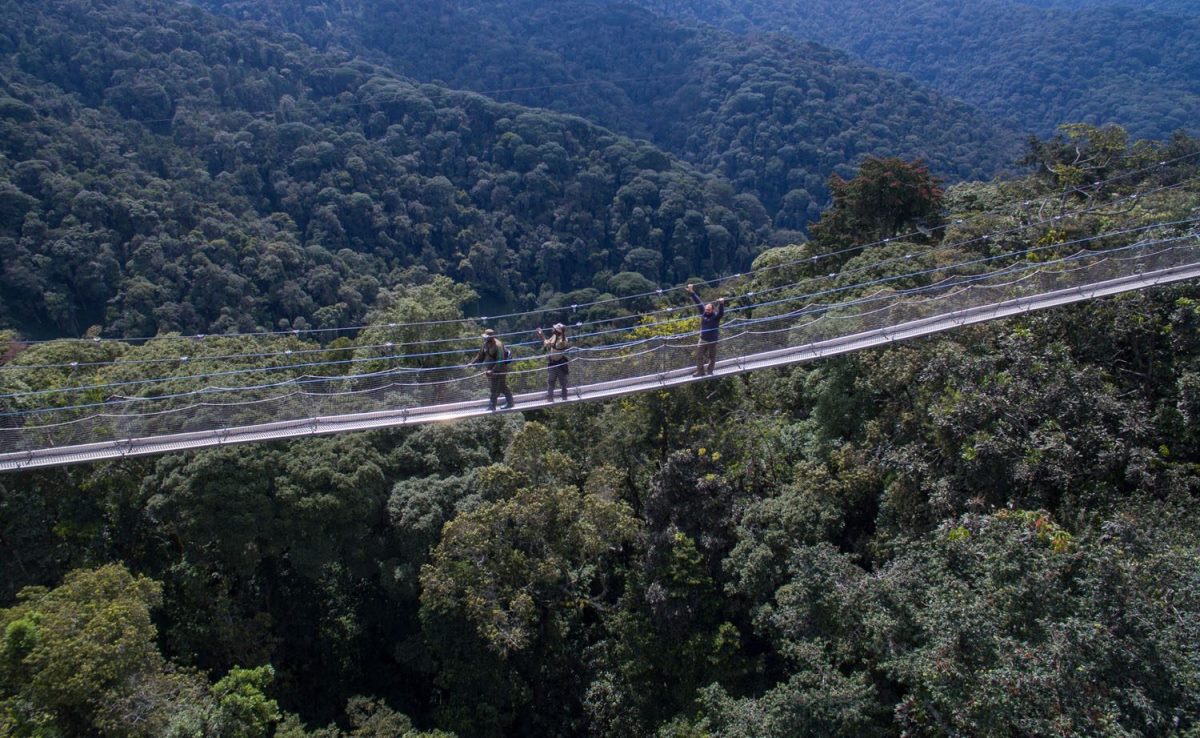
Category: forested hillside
[164,169]
[1034,67]
[774,116]
[986,533]
[993,532]
[1178,7]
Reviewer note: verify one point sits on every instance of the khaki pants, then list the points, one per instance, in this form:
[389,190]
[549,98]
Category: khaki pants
[498,384]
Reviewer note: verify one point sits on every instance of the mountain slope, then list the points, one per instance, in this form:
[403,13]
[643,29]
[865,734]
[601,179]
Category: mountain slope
[166,169]
[1177,7]
[775,116]
[1036,67]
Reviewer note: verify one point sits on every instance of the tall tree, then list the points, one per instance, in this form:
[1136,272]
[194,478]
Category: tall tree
[888,197]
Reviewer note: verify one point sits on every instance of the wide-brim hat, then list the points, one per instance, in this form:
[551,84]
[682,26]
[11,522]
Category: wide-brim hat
[489,333]
[559,327]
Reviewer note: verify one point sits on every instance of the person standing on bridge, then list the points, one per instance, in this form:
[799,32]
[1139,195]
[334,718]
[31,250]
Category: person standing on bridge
[494,358]
[556,345]
[710,329]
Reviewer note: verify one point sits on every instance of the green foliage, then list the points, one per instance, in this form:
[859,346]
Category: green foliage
[81,659]
[687,513]
[817,700]
[368,718]
[423,316]
[774,116]
[65,649]
[516,566]
[1079,155]
[1012,60]
[242,707]
[887,197]
[292,538]
[531,454]
[822,504]
[510,588]
[1019,632]
[315,198]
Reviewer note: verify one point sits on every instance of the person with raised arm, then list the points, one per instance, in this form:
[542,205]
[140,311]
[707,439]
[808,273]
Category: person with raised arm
[710,330]
[556,364]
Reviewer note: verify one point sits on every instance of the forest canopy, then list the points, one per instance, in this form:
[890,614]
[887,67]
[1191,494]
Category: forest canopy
[1133,64]
[910,540]
[992,531]
[192,176]
[774,116]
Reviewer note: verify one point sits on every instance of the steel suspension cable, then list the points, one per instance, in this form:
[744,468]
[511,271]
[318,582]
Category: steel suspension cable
[715,280]
[856,286]
[458,340]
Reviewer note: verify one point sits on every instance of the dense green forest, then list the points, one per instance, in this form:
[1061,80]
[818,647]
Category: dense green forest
[1179,7]
[992,532]
[774,116]
[1094,62]
[987,533]
[165,170]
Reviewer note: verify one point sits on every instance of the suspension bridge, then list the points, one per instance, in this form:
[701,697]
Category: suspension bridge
[784,322]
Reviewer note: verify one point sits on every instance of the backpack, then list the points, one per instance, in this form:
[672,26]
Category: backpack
[503,360]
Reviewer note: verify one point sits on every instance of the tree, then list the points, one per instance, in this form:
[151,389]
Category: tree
[887,197]
[819,680]
[688,514]
[1007,623]
[516,567]
[1078,155]
[368,718]
[673,632]
[817,699]
[70,649]
[425,317]
[242,707]
[81,659]
[506,601]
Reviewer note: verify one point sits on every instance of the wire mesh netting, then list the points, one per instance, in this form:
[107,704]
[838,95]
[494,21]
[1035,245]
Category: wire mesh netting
[780,330]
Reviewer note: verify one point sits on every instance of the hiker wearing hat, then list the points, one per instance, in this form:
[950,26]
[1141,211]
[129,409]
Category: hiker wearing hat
[556,346]
[710,325]
[494,358]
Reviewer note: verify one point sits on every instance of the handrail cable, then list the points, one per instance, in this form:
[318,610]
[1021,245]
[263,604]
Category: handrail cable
[973,262]
[426,384]
[713,281]
[397,326]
